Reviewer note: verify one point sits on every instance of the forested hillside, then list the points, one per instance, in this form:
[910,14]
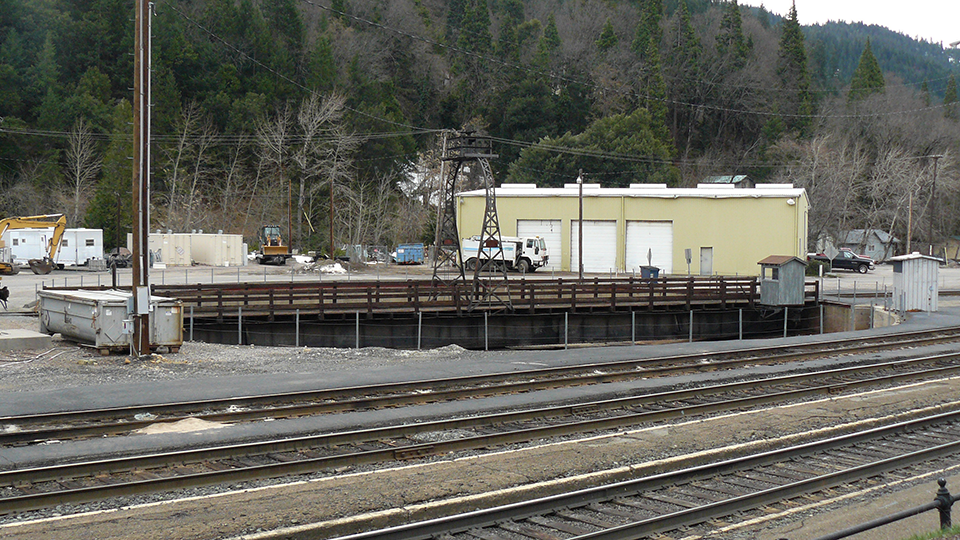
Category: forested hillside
[258,102]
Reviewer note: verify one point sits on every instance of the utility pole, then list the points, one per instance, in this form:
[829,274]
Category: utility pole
[141,181]
[933,203]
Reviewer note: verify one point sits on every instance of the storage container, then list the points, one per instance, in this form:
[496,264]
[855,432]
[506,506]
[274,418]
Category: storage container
[100,319]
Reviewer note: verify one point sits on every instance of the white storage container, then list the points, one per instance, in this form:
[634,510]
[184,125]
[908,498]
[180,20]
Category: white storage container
[96,318]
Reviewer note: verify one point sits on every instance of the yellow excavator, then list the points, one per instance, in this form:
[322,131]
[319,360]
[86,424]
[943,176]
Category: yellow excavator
[39,266]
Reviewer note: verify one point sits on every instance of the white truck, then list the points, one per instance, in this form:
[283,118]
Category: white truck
[520,254]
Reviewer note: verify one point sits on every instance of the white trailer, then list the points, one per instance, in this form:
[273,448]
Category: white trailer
[523,254]
[79,246]
[26,244]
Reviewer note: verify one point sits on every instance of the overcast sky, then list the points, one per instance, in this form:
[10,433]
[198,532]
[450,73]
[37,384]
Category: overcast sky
[934,20]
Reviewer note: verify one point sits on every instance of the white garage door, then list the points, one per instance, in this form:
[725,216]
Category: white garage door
[599,246]
[655,237]
[549,230]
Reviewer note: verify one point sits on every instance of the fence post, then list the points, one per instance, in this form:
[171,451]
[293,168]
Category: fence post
[786,317]
[419,328]
[239,325]
[358,331]
[297,330]
[691,325]
[633,327]
[946,503]
[566,327]
[191,323]
[821,319]
[740,318]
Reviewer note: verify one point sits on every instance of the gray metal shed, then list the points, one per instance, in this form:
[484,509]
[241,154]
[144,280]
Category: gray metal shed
[782,280]
[915,282]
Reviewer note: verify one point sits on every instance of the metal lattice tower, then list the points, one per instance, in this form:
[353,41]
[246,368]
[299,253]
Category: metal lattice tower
[489,280]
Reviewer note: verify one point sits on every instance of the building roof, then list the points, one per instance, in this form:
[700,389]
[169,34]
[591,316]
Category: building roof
[856,236]
[780,260]
[656,191]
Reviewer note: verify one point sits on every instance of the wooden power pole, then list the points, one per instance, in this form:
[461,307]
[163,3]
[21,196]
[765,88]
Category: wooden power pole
[141,181]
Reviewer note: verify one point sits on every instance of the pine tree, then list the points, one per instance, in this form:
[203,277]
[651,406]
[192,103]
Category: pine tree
[649,26]
[732,46]
[925,94]
[950,99]
[608,38]
[794,77]
[868,77]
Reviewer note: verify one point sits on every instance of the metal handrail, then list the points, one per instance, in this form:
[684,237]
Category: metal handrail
[943,503]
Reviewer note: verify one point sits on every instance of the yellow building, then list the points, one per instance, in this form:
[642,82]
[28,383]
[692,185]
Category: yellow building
[726,229]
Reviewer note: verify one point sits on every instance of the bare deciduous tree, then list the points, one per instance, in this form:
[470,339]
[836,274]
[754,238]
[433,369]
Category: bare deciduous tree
[81,167]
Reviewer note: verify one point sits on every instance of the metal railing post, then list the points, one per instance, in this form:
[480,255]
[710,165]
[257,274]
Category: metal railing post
[690,339]
[296,339]
[633,327]
[191,323]
[358,331]
[786,317]
[946,503]
[486,332]
[740,320]
[566,329]
[419,328]
[239,325]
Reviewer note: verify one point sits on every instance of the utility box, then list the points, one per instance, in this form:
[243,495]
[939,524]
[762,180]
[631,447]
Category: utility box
[100,319]
[915,282]
[782,280]
[410,254]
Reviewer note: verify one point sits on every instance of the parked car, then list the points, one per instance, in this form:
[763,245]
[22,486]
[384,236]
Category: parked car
[845,260]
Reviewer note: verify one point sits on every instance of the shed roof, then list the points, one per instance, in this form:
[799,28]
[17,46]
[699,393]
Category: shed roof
[914,256]
[780,260]
[653,191]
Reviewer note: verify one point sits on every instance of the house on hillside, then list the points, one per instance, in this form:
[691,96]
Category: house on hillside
[874,243]
[735,180]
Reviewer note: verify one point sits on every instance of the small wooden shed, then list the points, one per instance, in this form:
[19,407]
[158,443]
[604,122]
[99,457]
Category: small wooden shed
[915,282]
[782,280]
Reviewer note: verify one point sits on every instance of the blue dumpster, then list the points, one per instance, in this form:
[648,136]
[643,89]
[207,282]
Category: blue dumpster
[410,254]
[647,272]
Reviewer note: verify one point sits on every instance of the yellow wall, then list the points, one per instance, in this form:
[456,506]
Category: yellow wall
[740,230]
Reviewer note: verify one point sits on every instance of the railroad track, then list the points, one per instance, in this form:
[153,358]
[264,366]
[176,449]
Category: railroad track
[696,500]
[33,428]
[23,490]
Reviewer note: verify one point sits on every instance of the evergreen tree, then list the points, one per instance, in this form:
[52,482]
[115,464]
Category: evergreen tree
[732,46]
[633,134]
[608,38]
[651,12]
[549,42]
[794,77]
[112,200]
[925,94]
[950,99]
[683,71]
[868,78]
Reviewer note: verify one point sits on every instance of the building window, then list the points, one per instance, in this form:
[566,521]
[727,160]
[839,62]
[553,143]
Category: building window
[89,242]
[64,242]
[16,241]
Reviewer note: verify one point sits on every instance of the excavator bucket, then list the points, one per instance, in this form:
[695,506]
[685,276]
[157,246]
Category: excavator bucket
[40,266]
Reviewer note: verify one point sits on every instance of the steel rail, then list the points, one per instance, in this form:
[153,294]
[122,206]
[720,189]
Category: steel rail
[487,517]
[42,500]
[346,398]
